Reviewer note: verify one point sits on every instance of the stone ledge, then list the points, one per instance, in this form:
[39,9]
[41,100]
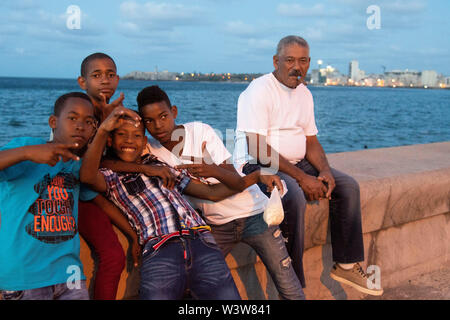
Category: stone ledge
[405,199]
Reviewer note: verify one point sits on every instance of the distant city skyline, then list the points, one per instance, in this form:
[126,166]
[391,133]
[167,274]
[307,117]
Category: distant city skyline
[328,75]
[323,75]
[42,38]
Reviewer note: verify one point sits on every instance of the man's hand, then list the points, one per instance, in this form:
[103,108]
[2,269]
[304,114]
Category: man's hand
[108,108]
[51,153]
[327,177]
[117,117]
[167,176]
[271,180]
[313,188]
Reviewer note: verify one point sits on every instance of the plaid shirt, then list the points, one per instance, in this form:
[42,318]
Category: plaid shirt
[152,209]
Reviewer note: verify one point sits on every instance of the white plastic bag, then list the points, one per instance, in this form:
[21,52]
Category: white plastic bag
[274,214]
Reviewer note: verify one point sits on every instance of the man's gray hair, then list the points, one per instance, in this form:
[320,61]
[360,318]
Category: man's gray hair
[291,40]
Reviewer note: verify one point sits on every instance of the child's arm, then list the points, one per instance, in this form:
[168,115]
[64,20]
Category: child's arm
[220,191]
[214,149]
[225,173]
[49,153]
[89,173]
[120,221]
[149,170]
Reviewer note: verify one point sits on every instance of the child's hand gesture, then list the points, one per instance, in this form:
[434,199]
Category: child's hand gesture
[51,153]
[107,108]
[118,116]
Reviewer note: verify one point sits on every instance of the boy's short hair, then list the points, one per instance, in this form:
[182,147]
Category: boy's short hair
[91,57]
[61,101]
[150,95]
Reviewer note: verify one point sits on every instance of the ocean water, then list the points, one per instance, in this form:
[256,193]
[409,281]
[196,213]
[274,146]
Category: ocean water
[348,118]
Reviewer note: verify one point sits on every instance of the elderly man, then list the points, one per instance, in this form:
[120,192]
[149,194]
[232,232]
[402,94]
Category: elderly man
[276,116]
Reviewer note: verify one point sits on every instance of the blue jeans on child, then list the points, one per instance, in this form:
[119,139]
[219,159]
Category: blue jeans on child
[268,244]
[55,292]
[192,262]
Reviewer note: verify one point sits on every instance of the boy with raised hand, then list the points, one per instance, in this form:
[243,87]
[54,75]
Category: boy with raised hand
[98,77]
[39,191]
[179,251]
[238,218]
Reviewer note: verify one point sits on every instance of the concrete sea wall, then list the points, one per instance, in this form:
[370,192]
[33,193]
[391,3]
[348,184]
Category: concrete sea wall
[405,200]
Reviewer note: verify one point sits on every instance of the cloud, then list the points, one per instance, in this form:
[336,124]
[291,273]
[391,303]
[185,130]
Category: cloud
[240,28]
[159,27]
[21,4]
[152,16]
[262,44]
[387,6]
[20,51]
[40,24]
[297,10]
[404,7]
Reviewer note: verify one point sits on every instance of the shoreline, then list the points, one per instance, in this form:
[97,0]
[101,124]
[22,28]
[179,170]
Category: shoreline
[235,82]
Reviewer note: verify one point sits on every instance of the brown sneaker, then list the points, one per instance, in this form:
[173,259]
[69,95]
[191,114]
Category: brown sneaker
[355,277]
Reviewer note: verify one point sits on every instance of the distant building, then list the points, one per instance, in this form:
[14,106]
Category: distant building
[355,75]
[353,71]
[333,76]
[314,76]
[402,78]
[141,75]
[372,80]
[317,75]
[429,78]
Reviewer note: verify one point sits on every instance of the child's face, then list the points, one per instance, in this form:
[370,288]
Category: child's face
[101,79]
[159,120]
[128,142]
[75,123]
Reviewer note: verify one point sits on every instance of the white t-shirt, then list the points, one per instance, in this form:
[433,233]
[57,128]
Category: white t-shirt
[282,114]
[244,204]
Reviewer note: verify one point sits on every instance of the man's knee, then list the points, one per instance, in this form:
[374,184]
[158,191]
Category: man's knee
[346,185]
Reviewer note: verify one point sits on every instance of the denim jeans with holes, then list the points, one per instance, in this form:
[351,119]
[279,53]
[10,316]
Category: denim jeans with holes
[269,245]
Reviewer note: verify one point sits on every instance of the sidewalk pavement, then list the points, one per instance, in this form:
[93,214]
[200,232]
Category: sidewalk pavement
[429,286]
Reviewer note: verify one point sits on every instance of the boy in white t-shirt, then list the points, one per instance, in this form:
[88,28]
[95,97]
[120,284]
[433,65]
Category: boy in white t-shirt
[238,218]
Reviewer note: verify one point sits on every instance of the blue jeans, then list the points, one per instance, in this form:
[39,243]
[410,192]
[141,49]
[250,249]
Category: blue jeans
[54,292]
[269,244]
[188,262]
[345,217]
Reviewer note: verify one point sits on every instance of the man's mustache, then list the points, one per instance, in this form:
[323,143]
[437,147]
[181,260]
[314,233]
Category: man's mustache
[295,73]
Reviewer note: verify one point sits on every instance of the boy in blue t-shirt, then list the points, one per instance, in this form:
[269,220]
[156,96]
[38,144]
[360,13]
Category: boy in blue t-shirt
[39,192]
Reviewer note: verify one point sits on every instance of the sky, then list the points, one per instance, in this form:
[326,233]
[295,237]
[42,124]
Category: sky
[236,36]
